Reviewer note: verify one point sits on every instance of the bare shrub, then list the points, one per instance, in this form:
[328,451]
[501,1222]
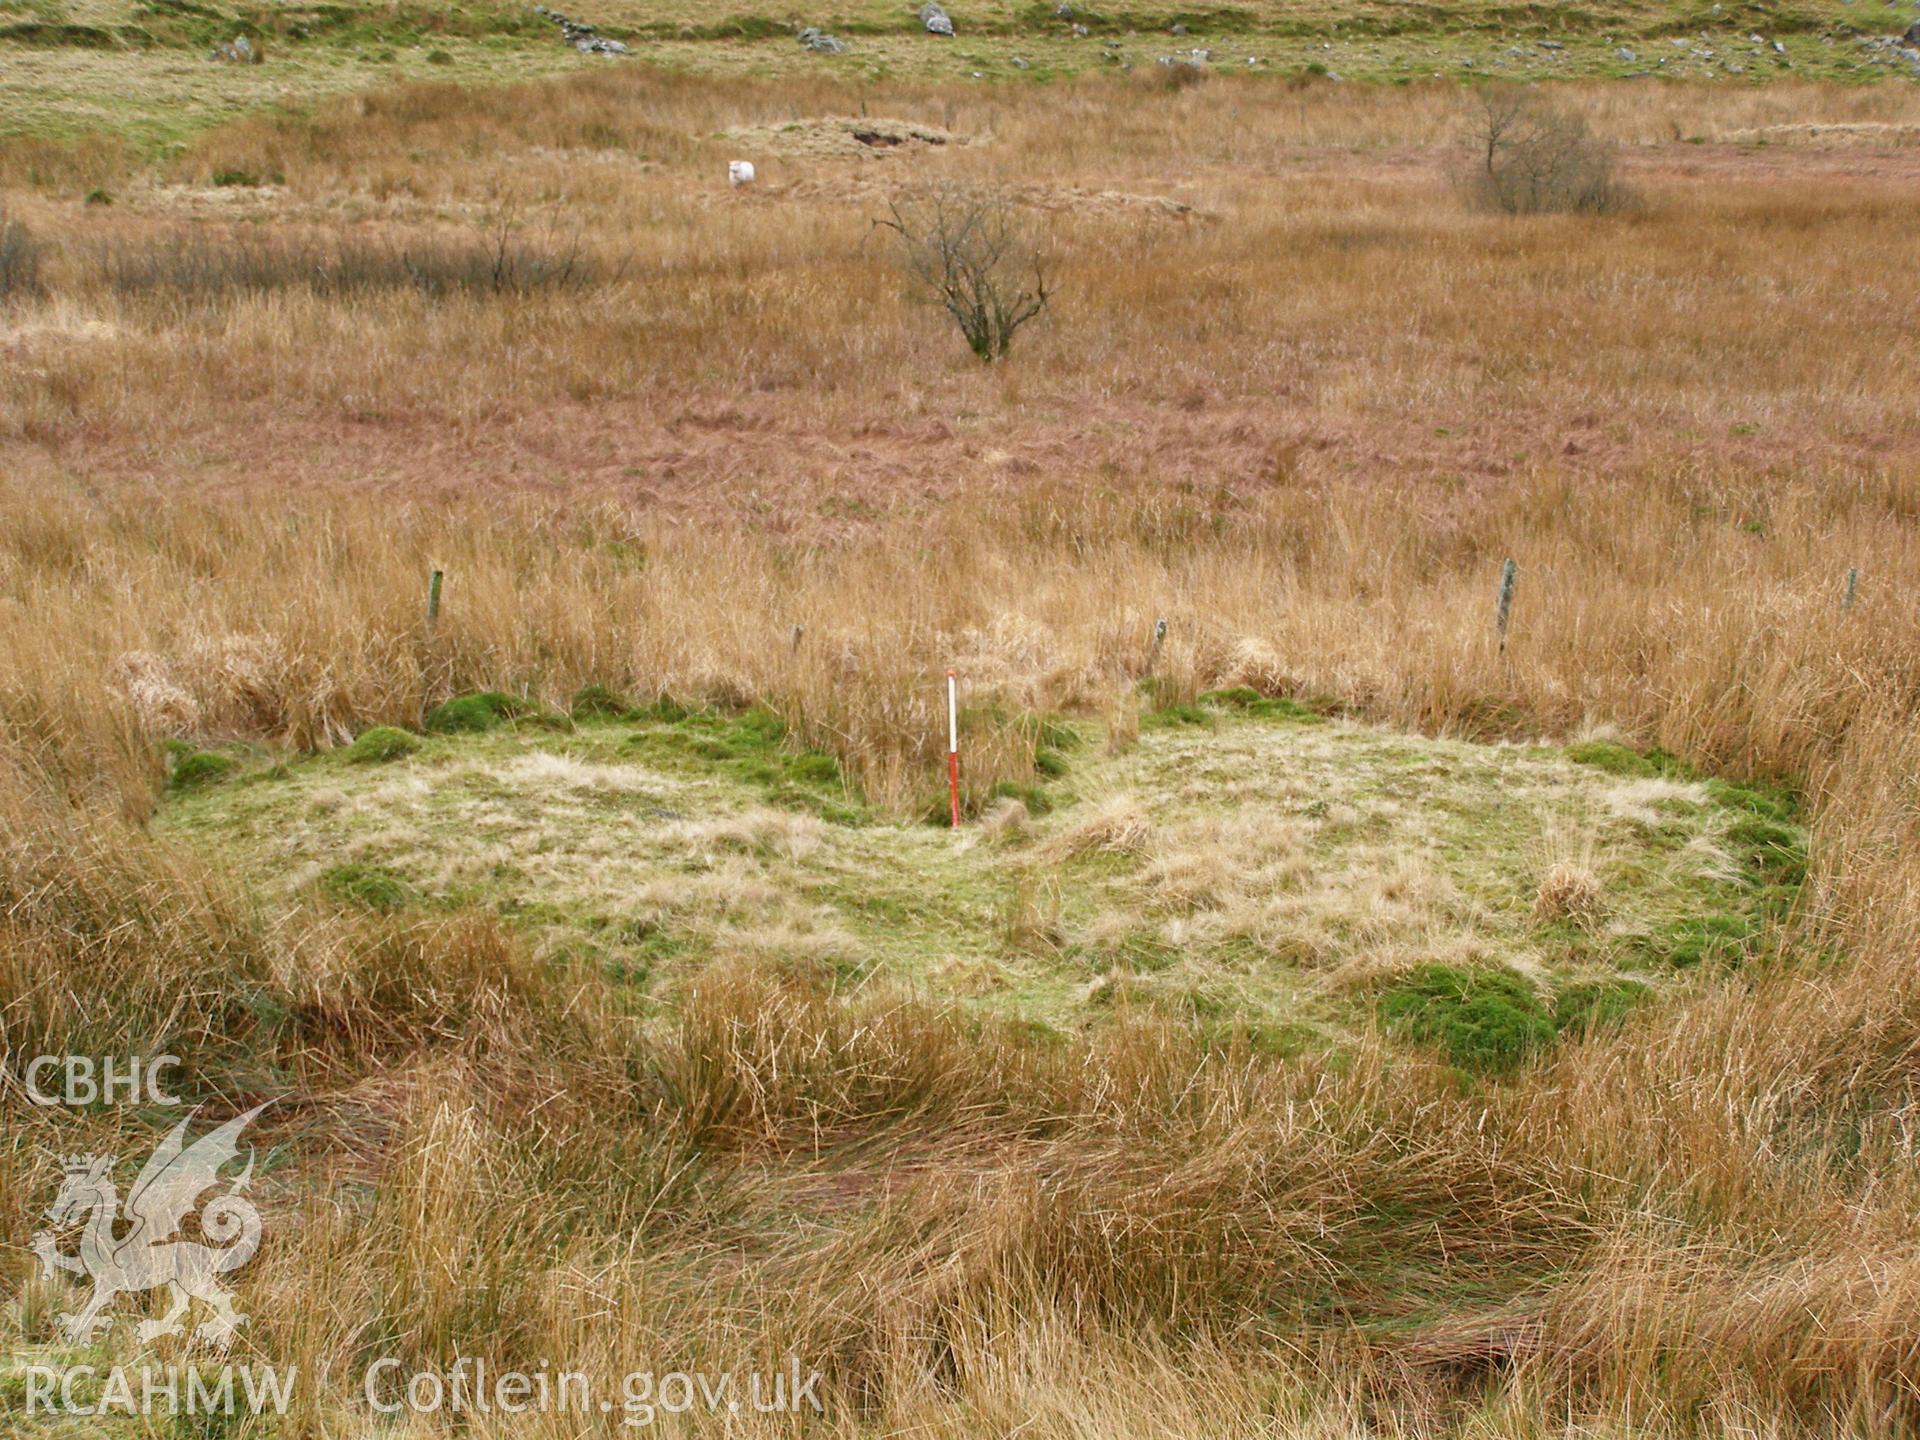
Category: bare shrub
[19,259]
[1532,158]
[967,251]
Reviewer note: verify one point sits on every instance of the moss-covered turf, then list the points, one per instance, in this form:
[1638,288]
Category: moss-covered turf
[380,744]
[1264,871]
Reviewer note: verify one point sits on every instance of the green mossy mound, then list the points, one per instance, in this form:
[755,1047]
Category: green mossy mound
[381,744]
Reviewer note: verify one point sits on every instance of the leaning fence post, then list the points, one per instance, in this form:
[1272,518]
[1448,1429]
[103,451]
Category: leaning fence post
[1509,576]
[433,601]
[1853,584]
[1153,653]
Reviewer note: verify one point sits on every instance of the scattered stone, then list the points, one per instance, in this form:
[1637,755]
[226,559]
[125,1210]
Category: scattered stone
[1081,32]
[591,44]
[1019,62]
[583,38]
[1551,45]
[821,42]
[1627,55]
[740,172]
[237,51]
[1779,47]
[936,20]
[1178,29]
[1912,37]
[1904,47]
[1063,11]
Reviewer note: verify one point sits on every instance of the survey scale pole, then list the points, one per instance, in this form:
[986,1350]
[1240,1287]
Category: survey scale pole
[953,745]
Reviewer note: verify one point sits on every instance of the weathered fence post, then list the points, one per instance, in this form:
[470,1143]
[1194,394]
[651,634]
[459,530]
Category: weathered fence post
[1153,653]
[1509,577]
[433,601]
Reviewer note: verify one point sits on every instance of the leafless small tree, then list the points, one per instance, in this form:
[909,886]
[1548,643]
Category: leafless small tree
[965,250]
[1531,158]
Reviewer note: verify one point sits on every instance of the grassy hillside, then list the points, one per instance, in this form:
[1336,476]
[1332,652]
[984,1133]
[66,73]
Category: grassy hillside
[141,70]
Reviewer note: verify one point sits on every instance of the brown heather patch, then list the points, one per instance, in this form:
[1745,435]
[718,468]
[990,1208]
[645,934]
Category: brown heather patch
[1327,309]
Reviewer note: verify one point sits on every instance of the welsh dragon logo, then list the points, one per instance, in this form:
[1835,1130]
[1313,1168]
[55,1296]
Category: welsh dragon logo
[152,1254]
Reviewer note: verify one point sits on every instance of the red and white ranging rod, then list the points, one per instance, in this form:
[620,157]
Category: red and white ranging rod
[953,745]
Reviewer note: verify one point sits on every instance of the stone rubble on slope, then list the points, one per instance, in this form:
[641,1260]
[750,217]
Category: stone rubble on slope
[583,38]
[821,42]
[237,51]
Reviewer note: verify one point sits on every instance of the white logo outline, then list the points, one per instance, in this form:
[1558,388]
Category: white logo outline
[152,1254]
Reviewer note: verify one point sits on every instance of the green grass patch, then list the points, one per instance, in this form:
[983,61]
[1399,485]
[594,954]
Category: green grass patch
[1768,802]
[1250,702]
[371,887]
[596,702]
[1720,939]
[752,747]
[381,744]
[1034,797]
[1170,717]
[482,710]
[1769,847]
[1617,759]
[202,767]
[1772,853]
[1488,1021]
[1590,1005]
[1610,756]
[1053,742]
